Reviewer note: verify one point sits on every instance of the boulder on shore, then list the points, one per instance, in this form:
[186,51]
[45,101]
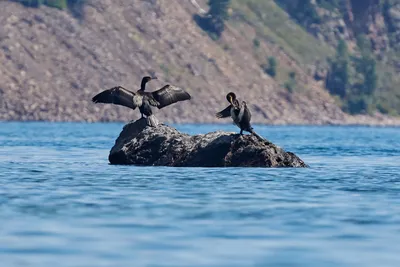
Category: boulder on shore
[139,144]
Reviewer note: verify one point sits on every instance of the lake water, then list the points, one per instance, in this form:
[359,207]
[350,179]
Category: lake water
[62,204]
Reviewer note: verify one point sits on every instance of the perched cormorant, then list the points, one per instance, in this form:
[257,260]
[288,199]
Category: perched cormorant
[163,97]
[240,114]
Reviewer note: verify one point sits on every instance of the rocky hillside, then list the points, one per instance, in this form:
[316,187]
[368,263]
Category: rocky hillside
[367,36]
[54,62]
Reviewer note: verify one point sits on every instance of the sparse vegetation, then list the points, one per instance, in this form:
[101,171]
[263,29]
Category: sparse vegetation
[337,81]
[303,11]
[256,43]
[329,4]
[362,81]
[226,47]
[213,22]
[75,6]
[354,79]
[273,24]
[290,85]
[271,67]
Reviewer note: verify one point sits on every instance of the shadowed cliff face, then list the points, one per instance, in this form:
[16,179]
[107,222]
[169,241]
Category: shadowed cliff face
[376,19]
[139,144]
[360,10]
[343,19]
[369,19]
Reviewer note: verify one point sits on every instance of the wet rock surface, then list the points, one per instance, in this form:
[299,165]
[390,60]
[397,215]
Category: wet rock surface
[163,145]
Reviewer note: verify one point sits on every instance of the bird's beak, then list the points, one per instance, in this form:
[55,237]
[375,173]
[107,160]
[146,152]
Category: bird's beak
[230,99]
[154,78]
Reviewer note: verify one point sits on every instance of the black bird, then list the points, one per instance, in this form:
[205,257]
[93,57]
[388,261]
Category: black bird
[160,98]
[240,114]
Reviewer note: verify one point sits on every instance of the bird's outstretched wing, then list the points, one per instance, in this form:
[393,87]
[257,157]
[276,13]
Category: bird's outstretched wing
[224,113]
[119,96]
[168,95]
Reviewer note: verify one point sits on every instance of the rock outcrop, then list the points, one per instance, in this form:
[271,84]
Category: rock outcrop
[163,145]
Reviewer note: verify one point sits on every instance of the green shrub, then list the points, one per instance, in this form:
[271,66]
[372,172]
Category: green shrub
[290,85]
[226,47]
[213,22]
[256,43]
[273,64]
[329,4]
[30,3]
[219,8]
[337,81]
[74,6]
[303,11]
[356,104]
[271,67]
[356,93]
[60,4]
[383,108]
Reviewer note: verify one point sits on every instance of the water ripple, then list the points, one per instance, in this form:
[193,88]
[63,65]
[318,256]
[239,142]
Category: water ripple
[62,204]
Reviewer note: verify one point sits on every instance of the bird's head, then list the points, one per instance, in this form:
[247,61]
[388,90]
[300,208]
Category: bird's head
[145,80]
[148,79]
[231,97]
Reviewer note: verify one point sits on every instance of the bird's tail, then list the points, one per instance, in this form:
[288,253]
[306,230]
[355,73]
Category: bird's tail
[257,135]
[152,121]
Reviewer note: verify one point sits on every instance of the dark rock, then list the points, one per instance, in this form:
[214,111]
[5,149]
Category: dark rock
[163,145]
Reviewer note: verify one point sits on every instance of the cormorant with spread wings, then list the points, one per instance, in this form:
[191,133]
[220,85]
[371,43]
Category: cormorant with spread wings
[160,98]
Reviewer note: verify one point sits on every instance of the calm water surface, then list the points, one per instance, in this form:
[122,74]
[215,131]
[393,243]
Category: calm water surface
[61,204]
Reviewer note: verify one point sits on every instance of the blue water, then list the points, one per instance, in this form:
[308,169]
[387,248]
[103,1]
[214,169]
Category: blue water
[61,204]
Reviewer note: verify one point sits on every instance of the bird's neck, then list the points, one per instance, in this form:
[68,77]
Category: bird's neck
[143,85]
